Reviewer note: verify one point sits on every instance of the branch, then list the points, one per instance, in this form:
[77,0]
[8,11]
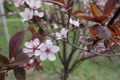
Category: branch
[115,16]
[59,55]
[89,57]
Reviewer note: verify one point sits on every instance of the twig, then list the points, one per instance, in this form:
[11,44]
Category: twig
[115,16]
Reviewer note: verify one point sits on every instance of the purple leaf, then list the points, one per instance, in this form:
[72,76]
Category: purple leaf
[3,60]
[21,59]
[102,31]
[2,76]
[19,73]
[15,43]
[37,65]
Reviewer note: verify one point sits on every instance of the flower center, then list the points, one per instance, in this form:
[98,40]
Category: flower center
[48,50]
[63,36]
[35,48]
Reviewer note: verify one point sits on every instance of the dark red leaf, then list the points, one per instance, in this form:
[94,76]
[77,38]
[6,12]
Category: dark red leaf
[3,60]
[21,59]
[109,6]
[15,43]
[2,76]
[37,65]
[95,10]
[100,19]
[92,32]
[87,17]
[19,73]
[31,29]
[78,12]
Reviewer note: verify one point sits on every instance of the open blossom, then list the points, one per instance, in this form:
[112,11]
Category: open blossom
[36,13]
[27,14]
[32,47]
[34,4]
[74,22]
[48,50]
[62,34]
[18,3]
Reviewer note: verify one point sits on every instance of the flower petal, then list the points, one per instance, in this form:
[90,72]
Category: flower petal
[48,43]
[43,56]
[31,14]
[31,61]
[25,50]
[71,21]
[38,4]
[41,14]
[37,53]
[58,35]
[42,47]
[55,49]
[51,57]
[36,42]
[16,4]
[64,31]
[28,45]
[76,23]
[22,14]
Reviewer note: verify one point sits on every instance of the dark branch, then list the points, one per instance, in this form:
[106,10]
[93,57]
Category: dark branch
[115,16]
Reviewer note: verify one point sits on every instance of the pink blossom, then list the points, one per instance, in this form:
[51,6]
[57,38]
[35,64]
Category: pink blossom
[34,4]
[32,47]
[27,14]
[18,3]
[48,50]
[62,34]
[36,13]
[74,22]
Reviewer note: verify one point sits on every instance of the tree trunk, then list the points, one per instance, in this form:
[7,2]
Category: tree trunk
[64,75]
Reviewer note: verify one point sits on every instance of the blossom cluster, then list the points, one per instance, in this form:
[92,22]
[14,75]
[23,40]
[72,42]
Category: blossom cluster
[29,13]
[38,49]
[43,50]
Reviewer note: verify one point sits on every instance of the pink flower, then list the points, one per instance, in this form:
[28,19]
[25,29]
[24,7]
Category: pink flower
[34,4]
[32,47]
[74,22]
[27,14]
[36,13]
[48,50]
[62,34]
[18,3]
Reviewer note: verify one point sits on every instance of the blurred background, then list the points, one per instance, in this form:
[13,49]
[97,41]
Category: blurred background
[93,69]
